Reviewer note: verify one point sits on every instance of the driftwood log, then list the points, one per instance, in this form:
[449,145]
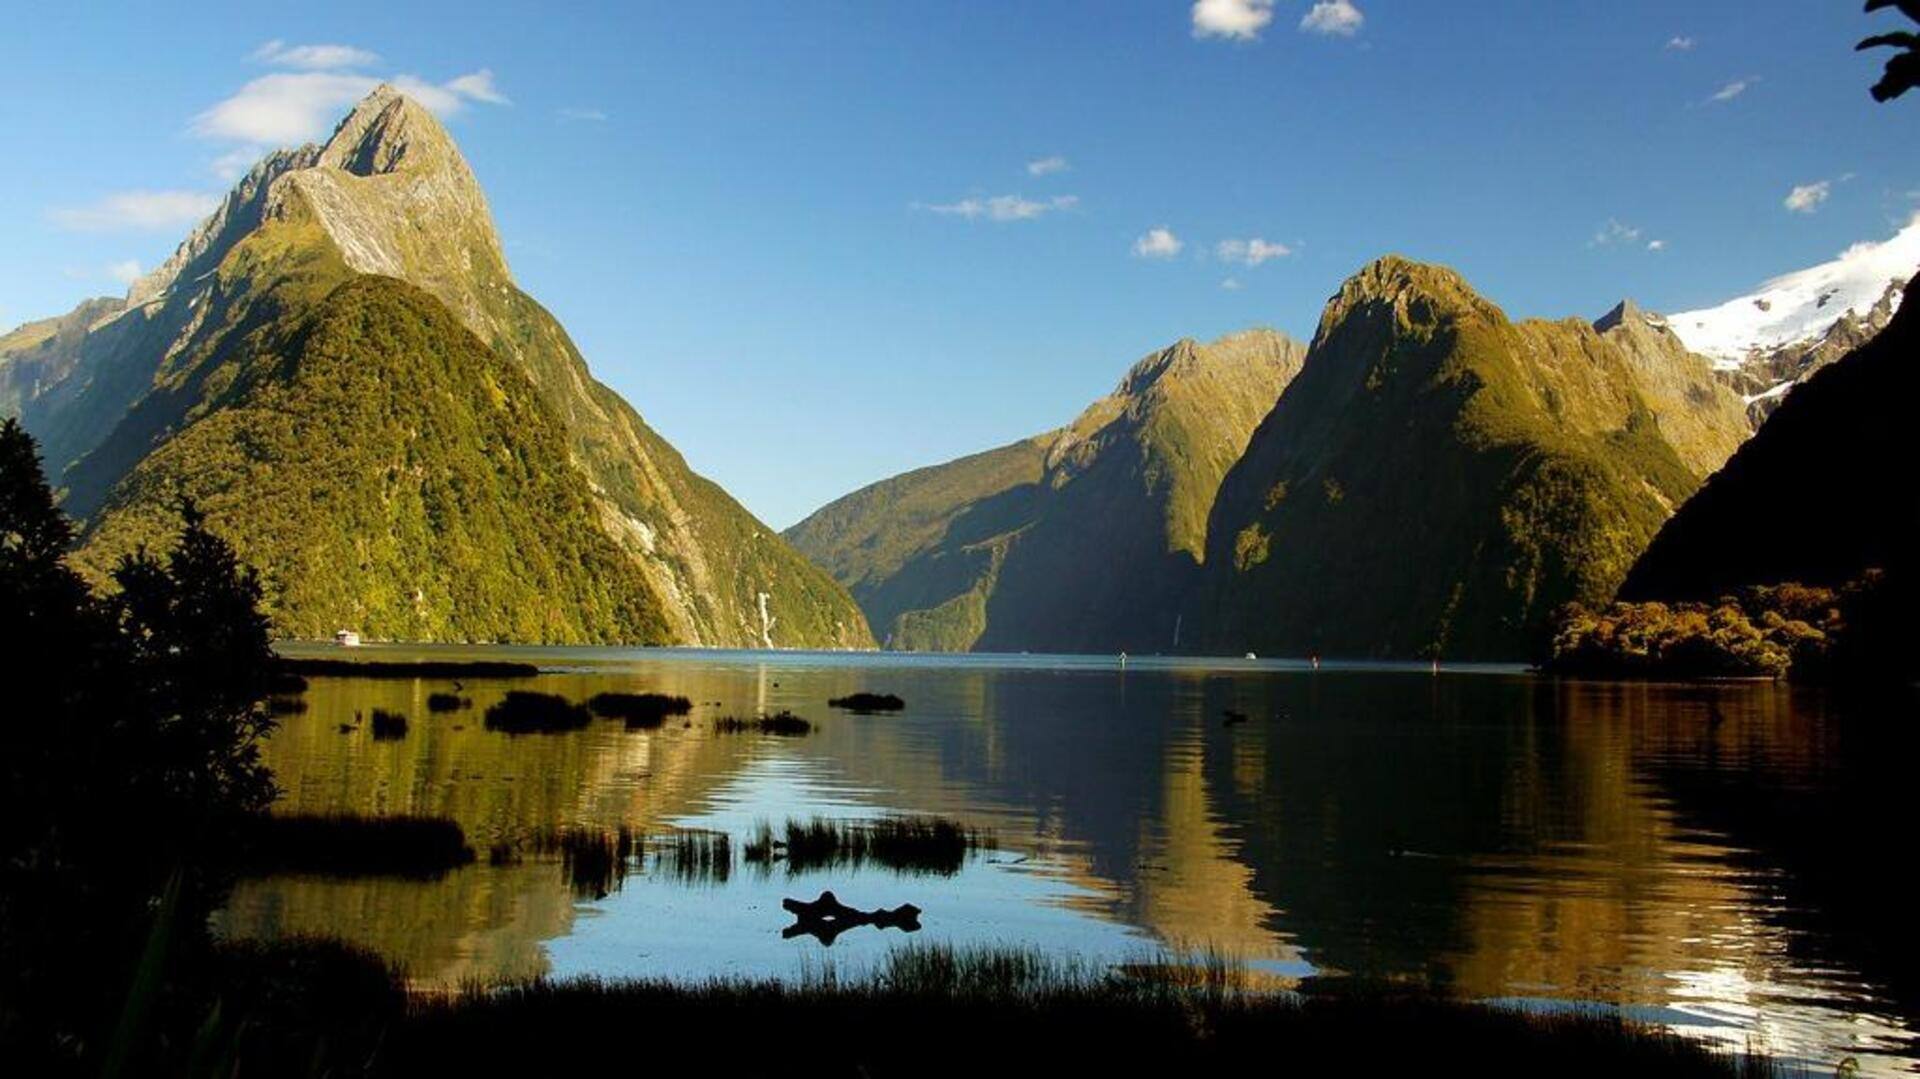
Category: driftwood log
[826,918]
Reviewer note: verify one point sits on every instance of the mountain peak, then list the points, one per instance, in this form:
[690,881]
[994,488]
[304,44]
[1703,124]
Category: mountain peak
[386,132]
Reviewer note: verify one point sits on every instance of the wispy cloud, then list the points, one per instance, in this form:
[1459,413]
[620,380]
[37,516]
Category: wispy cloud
[1656,245]
[1250,252]
[1158,243]
[1615,233]
[126,271]
[1733,89]
[313,57]
[1001,207]
[1339,18]
[1047,166]
[1232,284]
[288,108]
[1240,20]
[137,211]
[595,116]
[1679,43]
[1806,198]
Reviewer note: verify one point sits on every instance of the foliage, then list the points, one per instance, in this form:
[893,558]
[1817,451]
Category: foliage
[1808,633]
[1903,68]
[132,766]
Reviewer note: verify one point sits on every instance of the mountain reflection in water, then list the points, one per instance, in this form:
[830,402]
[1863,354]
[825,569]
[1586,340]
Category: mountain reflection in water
[1709,857]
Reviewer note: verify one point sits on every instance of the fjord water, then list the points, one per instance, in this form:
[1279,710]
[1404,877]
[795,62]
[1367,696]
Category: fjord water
[1709,857]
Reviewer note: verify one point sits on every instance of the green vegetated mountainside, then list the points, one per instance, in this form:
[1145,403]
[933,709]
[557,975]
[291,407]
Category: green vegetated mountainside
[1821,493]
[1082,539]
[1438,478]
[390,196]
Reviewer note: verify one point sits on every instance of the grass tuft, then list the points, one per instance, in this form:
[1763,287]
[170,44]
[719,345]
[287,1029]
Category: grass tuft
[782,723]
[933,846]
[868,703]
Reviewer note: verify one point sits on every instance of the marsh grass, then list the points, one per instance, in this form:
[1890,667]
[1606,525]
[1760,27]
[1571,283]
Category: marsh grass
[933,1010]
[448,702]
[525,712]
[697,856]
[349,845]
[782,723]
[640,711]
[388,726]
[596,861]
[932,846]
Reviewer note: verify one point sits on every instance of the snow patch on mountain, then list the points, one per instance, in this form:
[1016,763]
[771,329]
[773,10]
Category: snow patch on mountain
[1801,305]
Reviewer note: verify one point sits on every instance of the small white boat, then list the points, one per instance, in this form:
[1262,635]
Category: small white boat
[1250,655]
[346,638]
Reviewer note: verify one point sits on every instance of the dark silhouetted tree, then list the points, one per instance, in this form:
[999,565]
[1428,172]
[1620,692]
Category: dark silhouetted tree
[1903,68]
[131,762]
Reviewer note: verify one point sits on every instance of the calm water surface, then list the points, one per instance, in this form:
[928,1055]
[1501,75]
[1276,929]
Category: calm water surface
[1722,859]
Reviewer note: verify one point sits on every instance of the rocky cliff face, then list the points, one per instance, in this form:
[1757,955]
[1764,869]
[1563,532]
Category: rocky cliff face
[1083,539]
[389,195]
[1698,414]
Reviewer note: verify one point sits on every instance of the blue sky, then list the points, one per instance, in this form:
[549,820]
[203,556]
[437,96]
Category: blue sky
[820,243]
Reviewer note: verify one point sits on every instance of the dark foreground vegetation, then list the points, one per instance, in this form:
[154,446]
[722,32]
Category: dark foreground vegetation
[924,845]
[782,723]
[1806,633]
[641,711]
[864,703]
[310,1007]
[423,668]
[346,845]
[525,712]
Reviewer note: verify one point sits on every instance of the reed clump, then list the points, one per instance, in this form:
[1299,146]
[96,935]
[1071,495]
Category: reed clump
[353,845]
[640,711]
[934,846]
[596,861]
[868,703]
[388,726]
[782,724]
[526,712]
[448,702]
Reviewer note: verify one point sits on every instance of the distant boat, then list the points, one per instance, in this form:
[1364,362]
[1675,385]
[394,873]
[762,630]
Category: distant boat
[346,638]
[1250,655]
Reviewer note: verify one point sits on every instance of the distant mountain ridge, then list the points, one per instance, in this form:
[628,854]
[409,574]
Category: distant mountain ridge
[389,196]
[1439,478]
[1427,478]
[1081,539]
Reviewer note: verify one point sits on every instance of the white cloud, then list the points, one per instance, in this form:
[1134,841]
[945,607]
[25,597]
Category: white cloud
[1805,198]
[126,271]
[590,115]
[1158,243]
[1337,17]
[313,57]
[288,108]
[1231,284]
[1047,166]
[1250,252]
[1002,207]
[137,210]
[1734,89]
[1614,232]
[1237,19]
[477,85]
[1656,245]
[1679,43]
